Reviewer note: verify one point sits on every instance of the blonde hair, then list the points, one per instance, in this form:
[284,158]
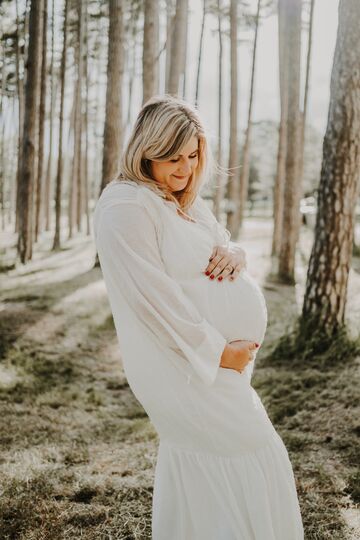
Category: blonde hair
[163,127]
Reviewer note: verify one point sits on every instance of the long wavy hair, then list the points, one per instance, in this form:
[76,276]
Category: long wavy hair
[163,127]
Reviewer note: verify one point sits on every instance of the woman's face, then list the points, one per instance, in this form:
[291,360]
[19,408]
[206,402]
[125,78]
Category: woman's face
[176,172]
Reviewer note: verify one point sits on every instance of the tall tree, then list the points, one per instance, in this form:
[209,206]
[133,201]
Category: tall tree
[113,111]
[232,185]
[178,41]
[47,183]
[170,23]
[150,49]
[39,175]
[86,121]
[20,89]
[278,196]
[59,174]
[306,93]
[291,209]
[26,178]
[201,42]
[245,169]
[79,119]
[328,272]
[219,176]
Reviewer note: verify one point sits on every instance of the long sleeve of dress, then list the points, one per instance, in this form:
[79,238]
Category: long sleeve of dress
[127,244]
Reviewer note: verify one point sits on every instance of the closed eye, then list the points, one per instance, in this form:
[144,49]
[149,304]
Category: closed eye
[176,160]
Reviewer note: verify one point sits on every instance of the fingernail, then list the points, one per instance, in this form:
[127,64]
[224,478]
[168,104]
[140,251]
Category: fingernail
[212,276]
[231,278]
[207,273]
[220,278]
[257,345]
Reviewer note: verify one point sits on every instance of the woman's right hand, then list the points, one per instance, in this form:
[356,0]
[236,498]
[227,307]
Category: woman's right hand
[237,354]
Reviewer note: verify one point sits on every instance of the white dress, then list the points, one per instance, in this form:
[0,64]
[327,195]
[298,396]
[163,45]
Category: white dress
[222,471]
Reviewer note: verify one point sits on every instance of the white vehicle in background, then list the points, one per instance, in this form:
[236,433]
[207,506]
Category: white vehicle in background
[308,209]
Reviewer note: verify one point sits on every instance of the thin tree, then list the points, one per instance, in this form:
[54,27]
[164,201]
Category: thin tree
[79,118]
[86,122]
[306,95]
[291,209]
[39,175]
[245,168]
[219,176]
[47,183]
[58,188]
[177,46]
[328,272]
[26,179]
[201,42]
[113,111]
[278,196]
[20,91]
[150,49]
[170,22]
[232,185]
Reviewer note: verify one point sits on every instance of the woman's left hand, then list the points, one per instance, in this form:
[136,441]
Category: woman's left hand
[226,262]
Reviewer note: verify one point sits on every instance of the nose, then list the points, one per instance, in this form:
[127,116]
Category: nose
[185,167]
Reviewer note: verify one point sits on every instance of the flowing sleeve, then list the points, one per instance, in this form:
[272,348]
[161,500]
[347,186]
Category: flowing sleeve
[127,244]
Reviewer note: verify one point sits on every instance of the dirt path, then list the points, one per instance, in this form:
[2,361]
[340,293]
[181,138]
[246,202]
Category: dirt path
[77,450]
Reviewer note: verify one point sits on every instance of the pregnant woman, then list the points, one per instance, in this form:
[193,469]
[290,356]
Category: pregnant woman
[188,324]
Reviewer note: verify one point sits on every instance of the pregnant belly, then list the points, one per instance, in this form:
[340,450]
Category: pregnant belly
[237,309]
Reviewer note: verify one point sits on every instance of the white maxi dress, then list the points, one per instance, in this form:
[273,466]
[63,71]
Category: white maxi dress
[222,470]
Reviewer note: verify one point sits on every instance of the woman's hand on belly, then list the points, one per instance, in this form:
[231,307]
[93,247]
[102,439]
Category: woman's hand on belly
[226,262]
[237,354]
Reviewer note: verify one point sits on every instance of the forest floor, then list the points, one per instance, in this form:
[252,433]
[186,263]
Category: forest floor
[77,449]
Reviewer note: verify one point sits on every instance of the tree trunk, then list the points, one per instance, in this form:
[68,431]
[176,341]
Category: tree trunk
[150,49]
[20,89]
[306,96]
[72,192]
[278,199]
[113,114]
[79,119]
[200,54]
[219,192]
[47,186]
[245,169]
[177,46]
[291,210]
[328,272]
[39,183]
[184,57]
[58,189]
[232,184]
[170,23]
[86,123]
[24,246]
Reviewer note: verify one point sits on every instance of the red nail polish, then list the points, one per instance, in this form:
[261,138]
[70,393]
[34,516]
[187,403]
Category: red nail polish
[212,276]
[257,345]
[207,273]
[220,278]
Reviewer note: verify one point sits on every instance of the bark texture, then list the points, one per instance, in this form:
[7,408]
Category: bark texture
[328,272]
[113,114]
[292,190]
[233,181]
[59,173]
[245,169]
[26,179]
[282,141]
[177,46]
[150,49]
